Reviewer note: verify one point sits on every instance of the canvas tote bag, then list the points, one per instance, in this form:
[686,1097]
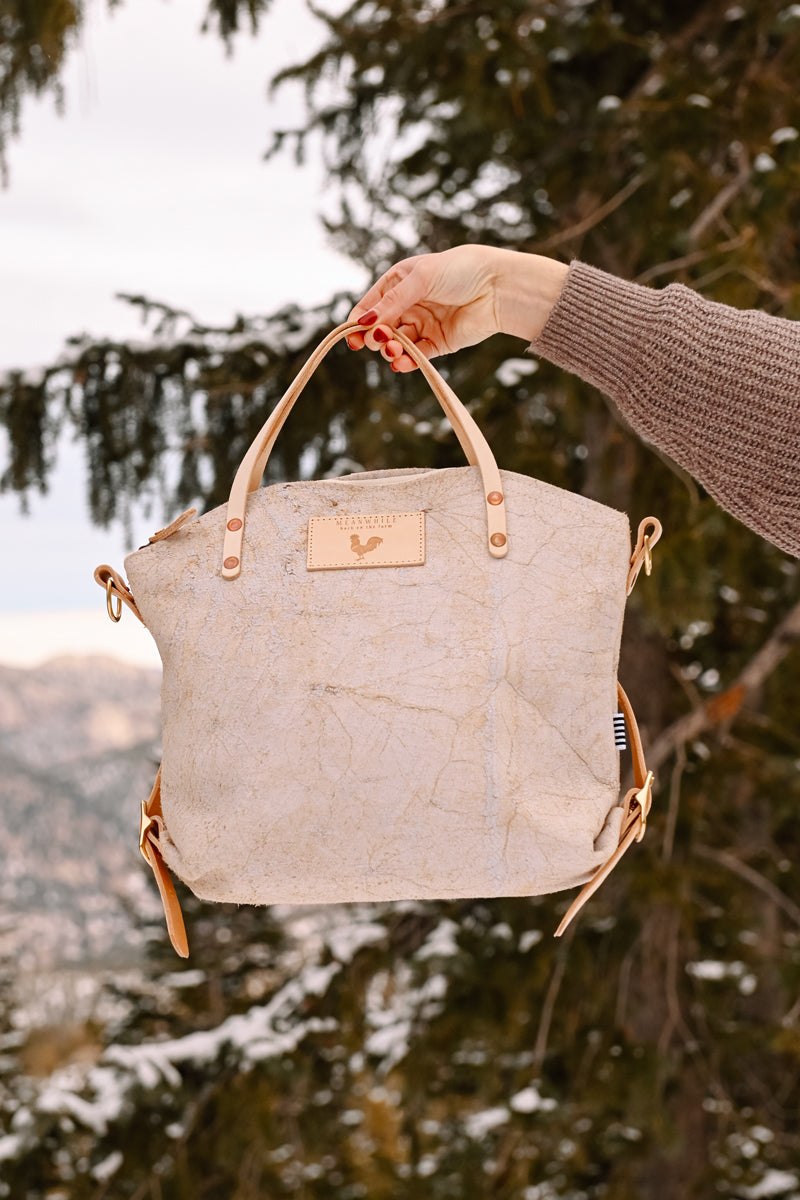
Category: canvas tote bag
[389,685]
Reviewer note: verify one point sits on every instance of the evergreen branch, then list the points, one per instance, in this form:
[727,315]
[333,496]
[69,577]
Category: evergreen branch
[594,218]
[693,258]
[675,1022]
[676,47]
[724,707]
[725,859]
[549,1003]
[717,207]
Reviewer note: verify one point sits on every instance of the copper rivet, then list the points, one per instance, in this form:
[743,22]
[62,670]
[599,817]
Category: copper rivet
[230,563]
[495,497]
[234,524]
[498,539]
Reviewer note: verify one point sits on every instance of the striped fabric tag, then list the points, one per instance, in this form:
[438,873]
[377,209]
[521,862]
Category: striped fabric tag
[620,731]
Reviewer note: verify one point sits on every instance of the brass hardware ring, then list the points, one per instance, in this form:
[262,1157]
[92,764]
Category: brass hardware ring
[115,616]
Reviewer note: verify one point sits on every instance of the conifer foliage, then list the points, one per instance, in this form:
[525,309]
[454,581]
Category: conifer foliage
[455,1050]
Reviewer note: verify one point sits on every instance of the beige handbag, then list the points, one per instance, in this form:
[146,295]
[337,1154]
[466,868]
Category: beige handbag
[389,685]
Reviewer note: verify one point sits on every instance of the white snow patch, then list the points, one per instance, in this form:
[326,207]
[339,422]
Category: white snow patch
[680,198]
[786,133]
[513,370]
[541,1191]
[710,969]
[10,1146]
[531,1100]
[441,942]
[108,1167]
[392,1021]
[347,940]
[478,1124]
[764,162]
[774,1183]
[183,979]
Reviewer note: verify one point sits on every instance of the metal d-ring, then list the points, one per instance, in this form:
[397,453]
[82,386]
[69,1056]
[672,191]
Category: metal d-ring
[115,616]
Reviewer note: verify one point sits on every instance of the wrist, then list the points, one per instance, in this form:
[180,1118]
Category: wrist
[527,287]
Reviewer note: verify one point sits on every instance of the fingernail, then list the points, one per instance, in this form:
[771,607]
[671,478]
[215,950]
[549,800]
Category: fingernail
[393,353]
[380,336]
[350,344]
[369,318]
[395,366]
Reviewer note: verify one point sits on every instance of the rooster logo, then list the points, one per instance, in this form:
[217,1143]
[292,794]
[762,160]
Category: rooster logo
[371,544]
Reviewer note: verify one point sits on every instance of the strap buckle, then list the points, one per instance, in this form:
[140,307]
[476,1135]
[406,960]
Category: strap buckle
[146,823]
[644,798]
[647,535]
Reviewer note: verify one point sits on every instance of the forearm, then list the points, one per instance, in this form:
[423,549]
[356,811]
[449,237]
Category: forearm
[718,389]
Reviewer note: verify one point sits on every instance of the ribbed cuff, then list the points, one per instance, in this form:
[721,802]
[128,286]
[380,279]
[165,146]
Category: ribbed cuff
[596,329]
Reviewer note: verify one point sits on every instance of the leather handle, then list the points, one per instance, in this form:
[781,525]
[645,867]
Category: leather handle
[474,444]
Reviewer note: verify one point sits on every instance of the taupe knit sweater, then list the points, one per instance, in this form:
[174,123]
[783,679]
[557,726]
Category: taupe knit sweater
[718,389]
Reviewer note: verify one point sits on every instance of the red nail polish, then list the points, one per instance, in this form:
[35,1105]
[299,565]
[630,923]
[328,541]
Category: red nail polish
[369,318]
[380,336]
[395,366]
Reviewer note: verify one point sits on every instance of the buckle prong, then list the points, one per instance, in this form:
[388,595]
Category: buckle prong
[644,798]
[146,823]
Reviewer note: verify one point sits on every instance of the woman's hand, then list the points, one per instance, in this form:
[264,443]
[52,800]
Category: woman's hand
[446,301]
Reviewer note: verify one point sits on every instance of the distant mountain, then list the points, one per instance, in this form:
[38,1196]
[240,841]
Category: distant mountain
[79,744]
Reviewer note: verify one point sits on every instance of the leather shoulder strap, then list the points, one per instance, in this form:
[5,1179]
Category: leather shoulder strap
[635,806]
[149,825]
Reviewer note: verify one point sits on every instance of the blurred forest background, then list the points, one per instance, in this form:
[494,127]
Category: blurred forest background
[456,1050]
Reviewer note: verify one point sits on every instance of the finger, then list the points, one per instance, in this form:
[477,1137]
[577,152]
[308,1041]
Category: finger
[383,285]
[377,338]
[355,341]
[410,330]
[411,289]
[405,363]
[391,350]
[425,346]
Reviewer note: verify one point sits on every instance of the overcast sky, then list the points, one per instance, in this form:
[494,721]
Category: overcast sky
[151,182]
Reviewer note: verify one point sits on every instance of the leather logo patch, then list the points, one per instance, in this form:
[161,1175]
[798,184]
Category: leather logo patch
[366,540]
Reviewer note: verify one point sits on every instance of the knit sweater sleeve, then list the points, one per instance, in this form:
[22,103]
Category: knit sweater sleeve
[715,387]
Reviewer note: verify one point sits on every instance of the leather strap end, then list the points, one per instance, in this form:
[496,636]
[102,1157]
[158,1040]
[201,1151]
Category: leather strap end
[161,534]
[600,876]
[172,909]
[151,809]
